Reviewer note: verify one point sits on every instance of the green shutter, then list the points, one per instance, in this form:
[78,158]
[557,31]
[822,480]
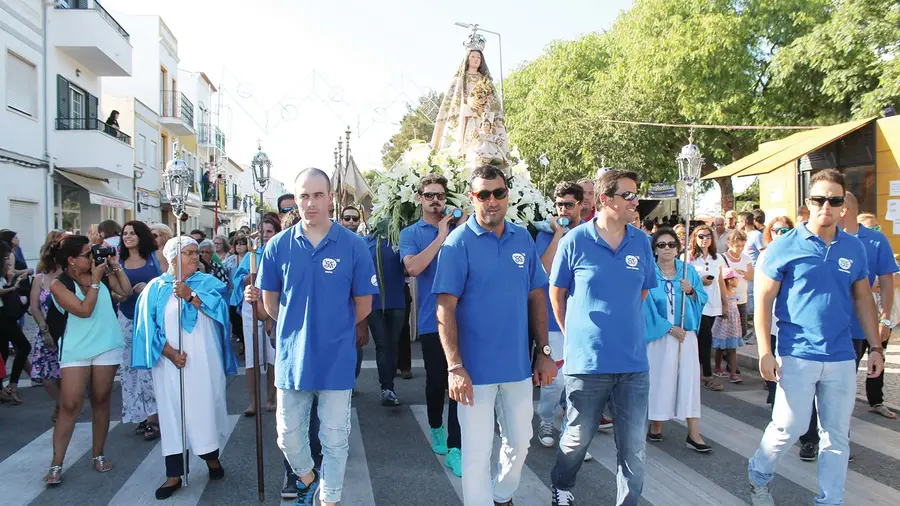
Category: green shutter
[62,102]
[92,123]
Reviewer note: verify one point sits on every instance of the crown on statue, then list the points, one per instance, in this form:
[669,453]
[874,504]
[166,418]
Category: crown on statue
[475,42]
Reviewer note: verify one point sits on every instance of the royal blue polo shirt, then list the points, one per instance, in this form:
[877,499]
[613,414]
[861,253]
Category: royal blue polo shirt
[604,309]
[390,275]
[879,260]
[413,240]
[316,335]
[492,277]
[814,304]
[542,242]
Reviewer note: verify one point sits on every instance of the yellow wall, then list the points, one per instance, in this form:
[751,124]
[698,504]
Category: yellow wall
[887,153]
[778,191]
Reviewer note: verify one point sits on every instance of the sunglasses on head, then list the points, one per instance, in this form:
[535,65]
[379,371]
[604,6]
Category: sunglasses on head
[285,210]
[434,195]
[664,245]
[349,217]
[566,204]
[484,195]
[819,201]
[626,196]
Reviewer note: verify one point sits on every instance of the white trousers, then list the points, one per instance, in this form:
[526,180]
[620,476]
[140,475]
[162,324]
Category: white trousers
[674,387]
[264,341]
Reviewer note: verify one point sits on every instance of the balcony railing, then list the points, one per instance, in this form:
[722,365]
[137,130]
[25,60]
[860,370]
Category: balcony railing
[205,133]
[95,5]
[92,124]
[175,105]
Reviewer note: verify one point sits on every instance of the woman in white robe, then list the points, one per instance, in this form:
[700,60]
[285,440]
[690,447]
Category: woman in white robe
[206,360]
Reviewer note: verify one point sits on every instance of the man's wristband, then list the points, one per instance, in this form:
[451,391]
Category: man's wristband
[454,367]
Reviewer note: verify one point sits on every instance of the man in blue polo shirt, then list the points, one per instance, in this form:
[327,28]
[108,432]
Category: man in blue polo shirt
[816,277]
[388,309]
[603,270]
[419,247]
[489,286]
[320,279]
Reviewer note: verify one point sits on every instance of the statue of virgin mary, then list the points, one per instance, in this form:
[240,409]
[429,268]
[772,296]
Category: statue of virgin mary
[470,108]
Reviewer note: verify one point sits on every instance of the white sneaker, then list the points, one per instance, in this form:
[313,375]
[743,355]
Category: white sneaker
[545,435]
[588,457]
[761,496]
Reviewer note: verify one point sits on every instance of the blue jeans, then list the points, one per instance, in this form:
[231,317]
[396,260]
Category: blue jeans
[386,327]
[292,421]
[587,395]
[315,446]
[833,386]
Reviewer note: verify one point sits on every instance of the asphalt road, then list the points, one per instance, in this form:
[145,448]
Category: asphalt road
[391,462]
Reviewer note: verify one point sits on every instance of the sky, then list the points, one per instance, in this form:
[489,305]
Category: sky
[295,73]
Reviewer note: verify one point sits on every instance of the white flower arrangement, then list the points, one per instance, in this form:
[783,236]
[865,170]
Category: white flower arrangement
[395,207]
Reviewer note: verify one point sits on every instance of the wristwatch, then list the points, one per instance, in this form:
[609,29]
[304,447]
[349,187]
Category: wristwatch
[546,350]
[191,299]
[885,322]
[879,351]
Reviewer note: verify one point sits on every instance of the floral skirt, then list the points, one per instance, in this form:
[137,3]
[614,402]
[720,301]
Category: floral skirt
[138,399]
[44,360]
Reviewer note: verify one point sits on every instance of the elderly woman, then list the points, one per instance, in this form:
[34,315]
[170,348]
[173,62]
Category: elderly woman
[206,359]
[161,233]
[208,261]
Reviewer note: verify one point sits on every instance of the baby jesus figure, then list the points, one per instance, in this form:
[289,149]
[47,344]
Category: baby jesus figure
[487,147]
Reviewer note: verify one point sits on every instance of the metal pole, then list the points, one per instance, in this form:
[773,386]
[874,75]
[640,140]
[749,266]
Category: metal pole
[260,481]
[502,94]
[179,266]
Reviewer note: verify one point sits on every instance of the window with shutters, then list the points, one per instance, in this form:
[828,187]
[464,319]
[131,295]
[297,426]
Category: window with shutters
[23,217]
[154,154]
[21,85]
[141,146]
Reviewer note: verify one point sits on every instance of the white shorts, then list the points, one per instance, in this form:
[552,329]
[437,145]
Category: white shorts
[264,340]
[111,357]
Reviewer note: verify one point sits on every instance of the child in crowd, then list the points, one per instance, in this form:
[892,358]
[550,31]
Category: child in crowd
[726,330]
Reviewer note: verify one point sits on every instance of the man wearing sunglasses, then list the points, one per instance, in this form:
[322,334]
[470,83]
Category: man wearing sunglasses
[286,204]
[816,277]
[603,271]
[491,266]
[350,218]
[419,247]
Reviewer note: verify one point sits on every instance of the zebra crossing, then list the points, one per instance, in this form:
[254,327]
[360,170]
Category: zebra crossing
[390,460]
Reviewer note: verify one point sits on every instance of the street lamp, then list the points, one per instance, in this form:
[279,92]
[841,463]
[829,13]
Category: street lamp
[178,179]
[475,28]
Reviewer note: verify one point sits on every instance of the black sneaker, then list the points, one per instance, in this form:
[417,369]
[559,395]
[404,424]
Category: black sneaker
[561,497]
[809,452]
[289,490]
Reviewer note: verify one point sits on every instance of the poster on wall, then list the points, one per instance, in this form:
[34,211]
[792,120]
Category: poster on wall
[895,188]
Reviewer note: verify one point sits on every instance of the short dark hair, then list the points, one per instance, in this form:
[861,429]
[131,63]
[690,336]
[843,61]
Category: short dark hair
[488,172]
[661,231]
[312,171]
[746,217]
[648,224]
[283,198]
[829,176]
[350,208]
[432,179]
[608,183]
[759,216]
[199,232]
[569,188]
[109,228]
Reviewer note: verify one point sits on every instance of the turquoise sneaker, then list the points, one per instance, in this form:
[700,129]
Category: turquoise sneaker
[454,461]
[439,441]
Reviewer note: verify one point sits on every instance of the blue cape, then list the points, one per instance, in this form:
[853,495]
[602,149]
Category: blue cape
[656,311]
[237,279]
[149,339]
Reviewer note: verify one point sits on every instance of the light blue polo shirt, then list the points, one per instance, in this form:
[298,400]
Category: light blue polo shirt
[814,305]
[492,277]
[542,242]
[316,335]
[879,260]
[391,277]
[413,240]
[604,310]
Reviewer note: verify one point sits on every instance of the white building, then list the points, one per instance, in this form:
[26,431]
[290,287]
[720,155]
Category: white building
[54,59]
[274,190]
[135,116]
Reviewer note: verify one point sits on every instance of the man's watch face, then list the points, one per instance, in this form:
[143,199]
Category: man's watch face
[546,349]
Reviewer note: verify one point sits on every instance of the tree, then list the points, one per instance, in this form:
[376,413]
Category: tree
[748,197]
[265,207]
[415,125]
[370,176]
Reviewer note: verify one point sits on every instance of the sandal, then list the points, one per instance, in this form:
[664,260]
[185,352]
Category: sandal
[711,384]
[151,431]
[102,465]
[53,476]
[883,410]
[12,395]
[140,429]
[736,379]
[249,412]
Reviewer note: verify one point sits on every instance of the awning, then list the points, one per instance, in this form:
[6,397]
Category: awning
[101,193]
[779,153]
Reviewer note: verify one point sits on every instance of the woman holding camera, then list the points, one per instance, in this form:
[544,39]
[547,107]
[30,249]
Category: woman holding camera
[91,344]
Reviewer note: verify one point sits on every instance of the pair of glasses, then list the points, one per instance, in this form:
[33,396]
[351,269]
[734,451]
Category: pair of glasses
[626,196]
[350,218]
[664,245]
[484,195]
[285,210]
[780,230]
[86,255]
[434,195]
[819,201]
[703,237]
[566,204]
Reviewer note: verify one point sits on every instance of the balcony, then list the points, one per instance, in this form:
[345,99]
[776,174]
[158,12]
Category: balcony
[176,113]
[94,148]
[84,30]
[210,136]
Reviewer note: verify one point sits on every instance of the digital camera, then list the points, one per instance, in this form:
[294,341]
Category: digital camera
[100,253]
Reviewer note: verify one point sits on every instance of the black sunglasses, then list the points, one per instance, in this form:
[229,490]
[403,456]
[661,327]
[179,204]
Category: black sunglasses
[566,204]
[484,195]
[348,217]
[819,201]
[285,210]
[627,196]
[664,245]
[434,195]
[704,236]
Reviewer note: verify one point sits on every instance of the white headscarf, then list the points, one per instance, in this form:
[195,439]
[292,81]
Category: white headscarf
[176,244]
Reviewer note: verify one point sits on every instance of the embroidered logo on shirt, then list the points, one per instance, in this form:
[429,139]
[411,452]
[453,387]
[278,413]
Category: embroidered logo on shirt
[845,264]
[374,280]
[631,261]
[519,259]
[329,264]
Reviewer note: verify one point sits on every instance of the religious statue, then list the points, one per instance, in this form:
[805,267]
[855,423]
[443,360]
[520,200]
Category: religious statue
[470,116]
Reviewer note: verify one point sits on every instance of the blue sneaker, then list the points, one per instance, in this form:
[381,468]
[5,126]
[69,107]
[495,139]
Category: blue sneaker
[306,494]
[439,441]
[454,461]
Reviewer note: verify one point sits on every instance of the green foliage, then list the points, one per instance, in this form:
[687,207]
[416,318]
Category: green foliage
[265,207]
[748,197]
[370,176]
[415,125]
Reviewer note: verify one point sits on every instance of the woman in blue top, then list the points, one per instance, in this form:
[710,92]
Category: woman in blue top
[90,347]
[674,385]
[139,258]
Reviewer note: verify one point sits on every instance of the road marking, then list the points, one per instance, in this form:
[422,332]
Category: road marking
[23,471]
[357,489]
[140,489]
